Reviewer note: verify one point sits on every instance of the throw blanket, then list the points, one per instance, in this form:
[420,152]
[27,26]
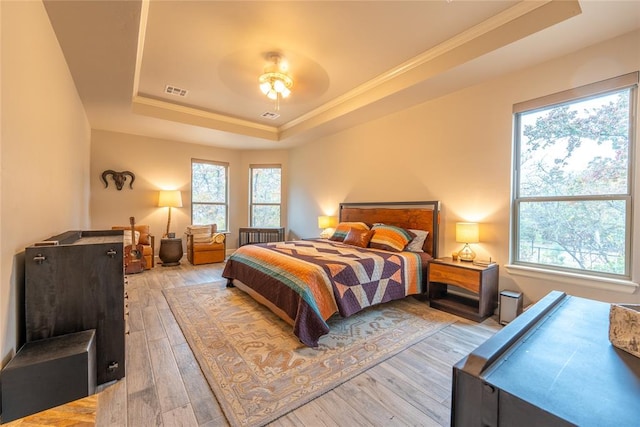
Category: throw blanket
[308,281]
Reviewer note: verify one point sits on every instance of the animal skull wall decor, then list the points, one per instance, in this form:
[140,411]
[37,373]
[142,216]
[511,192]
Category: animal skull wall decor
[119,178]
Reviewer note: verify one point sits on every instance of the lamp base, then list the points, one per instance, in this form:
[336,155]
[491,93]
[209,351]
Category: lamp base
[466,254]
[326,233]
[166,234]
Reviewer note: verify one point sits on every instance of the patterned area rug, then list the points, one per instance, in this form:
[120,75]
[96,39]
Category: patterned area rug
[258,369]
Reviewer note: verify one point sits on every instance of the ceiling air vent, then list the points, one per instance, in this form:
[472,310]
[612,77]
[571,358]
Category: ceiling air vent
[270,115]
[172,90]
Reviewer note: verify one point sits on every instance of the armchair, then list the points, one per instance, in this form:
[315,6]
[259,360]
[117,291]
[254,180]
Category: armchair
[204,244]
[146,239]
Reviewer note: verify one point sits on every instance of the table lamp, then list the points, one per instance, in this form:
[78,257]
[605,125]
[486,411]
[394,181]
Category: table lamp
[327,224]
[467,232]
[170,199]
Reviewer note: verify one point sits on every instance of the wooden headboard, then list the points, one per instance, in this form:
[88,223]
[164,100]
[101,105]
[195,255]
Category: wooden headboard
[408,215]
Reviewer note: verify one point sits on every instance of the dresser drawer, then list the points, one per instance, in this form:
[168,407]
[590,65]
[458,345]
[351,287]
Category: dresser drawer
[462,277]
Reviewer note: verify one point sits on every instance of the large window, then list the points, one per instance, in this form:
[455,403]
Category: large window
[266,189]
[209,184]
[572,197]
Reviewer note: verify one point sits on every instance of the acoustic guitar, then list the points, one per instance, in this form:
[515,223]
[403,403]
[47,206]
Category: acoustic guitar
[134,262]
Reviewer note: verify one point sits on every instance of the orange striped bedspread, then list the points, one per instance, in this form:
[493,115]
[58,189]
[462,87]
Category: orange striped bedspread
[311,280]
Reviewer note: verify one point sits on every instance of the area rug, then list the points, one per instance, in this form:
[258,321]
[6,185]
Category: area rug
[257,368]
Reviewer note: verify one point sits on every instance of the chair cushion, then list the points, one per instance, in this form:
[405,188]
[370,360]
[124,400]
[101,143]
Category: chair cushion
[207,257]
[127,237]
[142,228]
[202,229]
[211,246]
[201,233]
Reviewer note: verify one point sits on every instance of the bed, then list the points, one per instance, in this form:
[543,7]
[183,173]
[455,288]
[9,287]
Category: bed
[305,282]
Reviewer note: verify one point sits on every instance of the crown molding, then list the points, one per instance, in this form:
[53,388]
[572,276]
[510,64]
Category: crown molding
[520,20]
[197,117]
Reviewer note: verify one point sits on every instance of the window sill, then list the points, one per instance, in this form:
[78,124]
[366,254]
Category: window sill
[608,284]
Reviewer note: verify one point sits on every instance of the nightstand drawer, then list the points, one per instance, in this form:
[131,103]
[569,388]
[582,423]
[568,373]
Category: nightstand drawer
[462,277]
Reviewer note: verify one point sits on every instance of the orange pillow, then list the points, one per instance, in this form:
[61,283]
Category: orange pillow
[358,238]
[390,238]
[343,228]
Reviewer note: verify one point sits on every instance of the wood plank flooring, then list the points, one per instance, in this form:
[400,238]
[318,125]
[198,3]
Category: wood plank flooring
[165,387]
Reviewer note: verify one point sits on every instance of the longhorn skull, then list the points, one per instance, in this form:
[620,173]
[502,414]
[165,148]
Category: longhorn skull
[118,177]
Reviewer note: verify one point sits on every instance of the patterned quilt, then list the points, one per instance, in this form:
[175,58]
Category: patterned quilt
[308,281]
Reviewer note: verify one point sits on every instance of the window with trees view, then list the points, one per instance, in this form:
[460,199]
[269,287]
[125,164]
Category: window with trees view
[209,182]
[572,179]
[266,189]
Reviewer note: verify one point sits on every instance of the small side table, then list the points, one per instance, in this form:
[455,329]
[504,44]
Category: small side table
[170,251]
[479,280]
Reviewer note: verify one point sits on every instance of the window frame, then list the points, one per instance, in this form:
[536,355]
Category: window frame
[225,165]
[624,82]
[251,191]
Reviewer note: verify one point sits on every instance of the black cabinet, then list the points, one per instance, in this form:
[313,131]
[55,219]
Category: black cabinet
[551,366]
[74,282]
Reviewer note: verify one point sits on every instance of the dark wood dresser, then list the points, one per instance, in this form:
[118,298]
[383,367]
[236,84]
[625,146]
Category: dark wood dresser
[551,366]
[76,285]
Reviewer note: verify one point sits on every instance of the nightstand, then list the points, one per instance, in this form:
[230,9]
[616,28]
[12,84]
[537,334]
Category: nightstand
[480,281]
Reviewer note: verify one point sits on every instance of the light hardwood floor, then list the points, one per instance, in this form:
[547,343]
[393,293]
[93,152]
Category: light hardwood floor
[165,387]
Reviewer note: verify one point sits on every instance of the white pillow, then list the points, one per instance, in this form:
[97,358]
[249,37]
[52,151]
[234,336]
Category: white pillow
[127,237]
[415,245]
[199,229]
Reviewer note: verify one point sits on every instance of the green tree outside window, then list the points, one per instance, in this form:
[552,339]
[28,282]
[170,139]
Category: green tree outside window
[572,195]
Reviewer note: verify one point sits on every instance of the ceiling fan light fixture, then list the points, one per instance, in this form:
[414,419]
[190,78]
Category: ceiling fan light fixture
[272,94]
[265,87]
[274,82]
[278,85]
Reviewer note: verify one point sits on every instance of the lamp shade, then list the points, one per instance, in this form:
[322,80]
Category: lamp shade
[170,198]
[467,232]
[325,221]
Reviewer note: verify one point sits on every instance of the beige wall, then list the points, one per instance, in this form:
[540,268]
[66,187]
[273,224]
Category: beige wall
[456,149]
[163,164]
[44,185]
